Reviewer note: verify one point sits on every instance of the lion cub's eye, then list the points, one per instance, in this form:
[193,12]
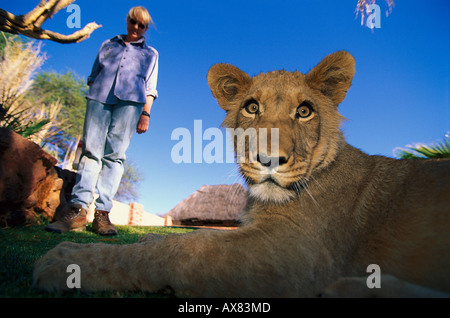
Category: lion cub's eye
[252,107]
[304,110]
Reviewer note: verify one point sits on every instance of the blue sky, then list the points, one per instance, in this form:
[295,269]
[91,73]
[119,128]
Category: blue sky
[399,96]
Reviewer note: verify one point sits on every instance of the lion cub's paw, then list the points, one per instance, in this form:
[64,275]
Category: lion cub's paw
[50,271]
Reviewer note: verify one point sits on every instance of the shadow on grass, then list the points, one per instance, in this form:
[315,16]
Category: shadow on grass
[21,246]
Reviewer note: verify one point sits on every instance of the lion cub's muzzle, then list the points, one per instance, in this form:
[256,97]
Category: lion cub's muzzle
[273,175]
[274,168]
[271,162]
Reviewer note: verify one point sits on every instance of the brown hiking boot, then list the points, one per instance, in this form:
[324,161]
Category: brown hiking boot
[72,220]
[102,225]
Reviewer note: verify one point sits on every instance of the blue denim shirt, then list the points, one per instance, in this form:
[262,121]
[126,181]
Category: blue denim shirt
[124,72]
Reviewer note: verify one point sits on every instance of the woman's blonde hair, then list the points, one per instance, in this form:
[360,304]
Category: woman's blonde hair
[141,14]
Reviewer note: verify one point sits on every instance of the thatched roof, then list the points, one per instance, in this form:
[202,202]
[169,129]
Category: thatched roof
[212,202]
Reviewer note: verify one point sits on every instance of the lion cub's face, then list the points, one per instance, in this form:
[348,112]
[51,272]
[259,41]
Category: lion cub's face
[293,117]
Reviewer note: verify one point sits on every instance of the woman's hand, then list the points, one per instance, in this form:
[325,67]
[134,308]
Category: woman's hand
[142,126]
[143,123]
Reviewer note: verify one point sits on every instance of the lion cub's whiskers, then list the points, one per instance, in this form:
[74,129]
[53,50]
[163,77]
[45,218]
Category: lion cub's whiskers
[303,184]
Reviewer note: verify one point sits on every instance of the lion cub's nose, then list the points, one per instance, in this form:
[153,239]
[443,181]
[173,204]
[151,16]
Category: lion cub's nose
[267,161]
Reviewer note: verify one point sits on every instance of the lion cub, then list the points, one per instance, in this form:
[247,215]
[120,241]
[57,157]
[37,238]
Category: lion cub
[319,210]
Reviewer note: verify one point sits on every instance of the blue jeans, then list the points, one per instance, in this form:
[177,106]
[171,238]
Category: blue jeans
[107,133]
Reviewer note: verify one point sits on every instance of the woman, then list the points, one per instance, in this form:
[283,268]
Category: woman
[122,90]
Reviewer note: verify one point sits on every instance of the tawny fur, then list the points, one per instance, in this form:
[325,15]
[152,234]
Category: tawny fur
[312,224]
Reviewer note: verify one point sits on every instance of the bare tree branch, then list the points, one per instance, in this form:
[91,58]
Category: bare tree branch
[30,24]
[363,5]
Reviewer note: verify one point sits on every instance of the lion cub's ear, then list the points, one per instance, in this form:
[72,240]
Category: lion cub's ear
[227,82]
[333,76]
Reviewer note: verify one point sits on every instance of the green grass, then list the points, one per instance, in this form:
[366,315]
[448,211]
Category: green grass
[21,246]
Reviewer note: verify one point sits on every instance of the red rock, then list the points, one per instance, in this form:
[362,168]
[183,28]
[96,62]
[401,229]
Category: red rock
[29,184]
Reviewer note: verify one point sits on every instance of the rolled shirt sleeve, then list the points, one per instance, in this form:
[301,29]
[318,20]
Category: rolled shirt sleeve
[152,78]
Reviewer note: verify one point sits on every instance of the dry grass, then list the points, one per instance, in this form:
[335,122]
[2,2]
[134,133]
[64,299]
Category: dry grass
[18,65]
